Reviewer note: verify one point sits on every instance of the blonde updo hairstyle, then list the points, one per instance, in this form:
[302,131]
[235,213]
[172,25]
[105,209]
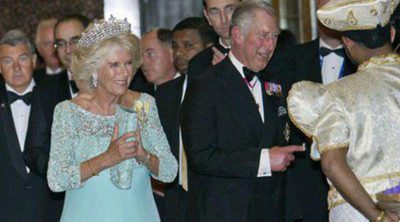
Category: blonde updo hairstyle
[86,61]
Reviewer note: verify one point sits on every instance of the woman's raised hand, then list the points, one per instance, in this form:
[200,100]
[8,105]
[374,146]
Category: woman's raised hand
[121,148]
[140,154]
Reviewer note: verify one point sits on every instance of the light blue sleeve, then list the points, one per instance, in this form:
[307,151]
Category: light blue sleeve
[64,167]
[155,141]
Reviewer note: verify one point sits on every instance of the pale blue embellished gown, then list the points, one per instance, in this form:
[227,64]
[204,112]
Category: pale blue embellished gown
[118,194]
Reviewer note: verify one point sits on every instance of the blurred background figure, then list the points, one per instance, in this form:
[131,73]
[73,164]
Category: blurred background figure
[44,42]
[218,14]
[189,37]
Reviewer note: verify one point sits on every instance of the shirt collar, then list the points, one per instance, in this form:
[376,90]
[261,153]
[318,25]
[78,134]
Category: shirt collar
[238,65]
[69,75]
[177,75]
[223,45]
[27,90]
[50,71]
[322,43]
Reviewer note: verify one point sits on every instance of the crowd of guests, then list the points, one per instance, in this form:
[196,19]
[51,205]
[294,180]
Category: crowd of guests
[209,121]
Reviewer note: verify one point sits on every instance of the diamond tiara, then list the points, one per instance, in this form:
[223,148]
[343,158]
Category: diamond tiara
[102,29]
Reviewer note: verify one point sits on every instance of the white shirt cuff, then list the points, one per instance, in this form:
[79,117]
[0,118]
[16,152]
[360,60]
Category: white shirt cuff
[264,169]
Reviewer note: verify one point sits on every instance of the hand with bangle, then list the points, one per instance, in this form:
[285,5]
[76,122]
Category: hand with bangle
[387,217]
[142,156]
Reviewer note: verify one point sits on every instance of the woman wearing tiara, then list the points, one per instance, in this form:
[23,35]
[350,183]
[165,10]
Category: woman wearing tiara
[108,141]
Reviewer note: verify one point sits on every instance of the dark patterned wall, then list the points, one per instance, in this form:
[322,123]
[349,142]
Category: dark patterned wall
[25,14]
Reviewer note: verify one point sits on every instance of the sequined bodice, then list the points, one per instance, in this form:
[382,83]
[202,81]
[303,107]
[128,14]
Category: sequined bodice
[78,135]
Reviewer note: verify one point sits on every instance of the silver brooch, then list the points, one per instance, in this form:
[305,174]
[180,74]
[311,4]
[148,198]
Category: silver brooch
[282,111]
[286,132]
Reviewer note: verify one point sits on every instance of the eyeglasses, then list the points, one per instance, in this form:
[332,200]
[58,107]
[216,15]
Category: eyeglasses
[61,43]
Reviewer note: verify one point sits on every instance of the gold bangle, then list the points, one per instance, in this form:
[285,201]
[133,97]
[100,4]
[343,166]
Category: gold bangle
[146,160]
[91,169]
[381,216]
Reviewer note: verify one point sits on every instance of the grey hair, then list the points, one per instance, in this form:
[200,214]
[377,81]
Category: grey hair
[15,37]
[243,15]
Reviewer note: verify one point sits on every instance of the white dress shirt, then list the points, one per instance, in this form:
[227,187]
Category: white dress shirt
[180,131]
[73,95]
[223,45]
[20,113]
[49,71]
[255,87]
[331,65]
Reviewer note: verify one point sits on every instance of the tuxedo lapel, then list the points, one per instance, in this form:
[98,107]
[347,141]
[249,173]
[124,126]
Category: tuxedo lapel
[270,118]
[240,97]
[315,68]
[168,98]
[349,67]
[10,133]
[314,62]
[37,122]
[64,83]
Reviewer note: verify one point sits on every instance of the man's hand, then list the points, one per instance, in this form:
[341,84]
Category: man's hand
[218,56]
[281,157]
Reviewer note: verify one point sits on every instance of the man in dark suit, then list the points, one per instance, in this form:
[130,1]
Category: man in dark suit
[235,128]
[56,88]
[170,85]
[67,33]
[140,84]
[218,14]
[23,194]
[190,36]
[322,60]
[158,68]
[45,46]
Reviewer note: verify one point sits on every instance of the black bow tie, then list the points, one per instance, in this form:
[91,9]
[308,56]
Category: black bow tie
[222,49]
[325,51]
[249,74]
[12,97]
[74,88]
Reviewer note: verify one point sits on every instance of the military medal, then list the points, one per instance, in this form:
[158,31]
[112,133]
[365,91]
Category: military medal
[286,132]
[273,89]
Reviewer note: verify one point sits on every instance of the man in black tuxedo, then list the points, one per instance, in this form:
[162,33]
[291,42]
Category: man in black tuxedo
[158,68]
[170,85]
[55,88]
[23,194]
[322,60]
[218,14]
[44,42]
[236,134]
[67,32]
